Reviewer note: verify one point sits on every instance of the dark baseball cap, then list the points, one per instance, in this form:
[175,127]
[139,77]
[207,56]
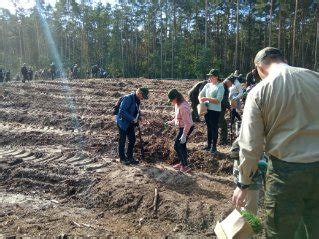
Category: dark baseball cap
[144,91]
[172,94]
[213,72]
[267,52]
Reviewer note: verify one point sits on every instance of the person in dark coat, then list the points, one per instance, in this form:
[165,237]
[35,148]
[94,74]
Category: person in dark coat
[30,74]
[1,75]
[222,121]
[252,78]
[193,97]
[24,72]
[127,119]
[95,71]
[52,71]
[7,76]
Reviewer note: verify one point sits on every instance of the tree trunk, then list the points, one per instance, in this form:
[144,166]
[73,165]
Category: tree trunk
[3,35]
[173,39]
[21,44]
[316,65]
[294,35]
[122,52]
[166,41]
[217,48]
[38,40]
[196,29]
[61,44]
[279,27]
[270,22]
[226,39]
[302,46]
[237,36]
[248,50]
[206,6]
[136,50]
[242,53]
[161,37]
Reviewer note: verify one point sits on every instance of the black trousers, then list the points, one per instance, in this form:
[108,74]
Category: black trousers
[52,75]
[234,114]
[130,134]
[25,78]
[181,149]
[211,119]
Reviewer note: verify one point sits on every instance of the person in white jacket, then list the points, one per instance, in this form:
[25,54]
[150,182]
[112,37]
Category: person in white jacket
[235,94]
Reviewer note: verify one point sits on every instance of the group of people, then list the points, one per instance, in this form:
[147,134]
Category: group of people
[52,72]
[5,76]
[96,72]
[279,135]
[231,95]
[218,95]
[26,72]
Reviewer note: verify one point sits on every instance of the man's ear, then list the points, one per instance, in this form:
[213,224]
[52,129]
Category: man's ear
[263,72]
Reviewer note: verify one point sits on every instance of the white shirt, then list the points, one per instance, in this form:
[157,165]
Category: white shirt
[235,91]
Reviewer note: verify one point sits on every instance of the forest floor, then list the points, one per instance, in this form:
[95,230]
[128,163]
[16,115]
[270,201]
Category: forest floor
[60,176]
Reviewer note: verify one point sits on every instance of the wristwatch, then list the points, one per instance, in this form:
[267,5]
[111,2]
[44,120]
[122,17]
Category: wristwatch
[242,186]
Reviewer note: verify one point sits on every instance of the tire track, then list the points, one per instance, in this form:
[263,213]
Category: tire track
[81,162]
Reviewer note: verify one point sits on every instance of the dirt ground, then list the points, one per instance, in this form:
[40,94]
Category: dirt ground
[59,174]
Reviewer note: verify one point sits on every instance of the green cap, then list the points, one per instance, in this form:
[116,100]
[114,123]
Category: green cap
[172,94]
[144,91]
[213,72]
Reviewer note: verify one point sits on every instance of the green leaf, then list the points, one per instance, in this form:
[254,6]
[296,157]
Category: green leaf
[254,221]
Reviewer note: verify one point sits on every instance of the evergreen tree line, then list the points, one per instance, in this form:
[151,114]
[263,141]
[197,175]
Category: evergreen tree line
[161,38]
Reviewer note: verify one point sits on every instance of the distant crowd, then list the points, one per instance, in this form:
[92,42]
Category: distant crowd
[52,72]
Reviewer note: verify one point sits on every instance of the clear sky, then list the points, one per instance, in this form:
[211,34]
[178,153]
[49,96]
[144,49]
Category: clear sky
[8,4]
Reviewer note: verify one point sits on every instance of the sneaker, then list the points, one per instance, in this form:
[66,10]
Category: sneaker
[177,166]
[213,151]
[184,169]
[125,162]
[133,161]
[223,143]
[206,148]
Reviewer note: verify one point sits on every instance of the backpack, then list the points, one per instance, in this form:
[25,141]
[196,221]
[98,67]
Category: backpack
[116,107]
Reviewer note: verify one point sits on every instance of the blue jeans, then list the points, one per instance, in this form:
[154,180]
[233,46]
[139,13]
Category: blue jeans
[181,149]
[130,134]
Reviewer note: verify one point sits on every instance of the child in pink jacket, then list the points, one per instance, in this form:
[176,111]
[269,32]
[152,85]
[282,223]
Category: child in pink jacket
[183,120]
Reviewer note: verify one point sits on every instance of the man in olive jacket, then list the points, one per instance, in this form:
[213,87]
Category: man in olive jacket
[279,118]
